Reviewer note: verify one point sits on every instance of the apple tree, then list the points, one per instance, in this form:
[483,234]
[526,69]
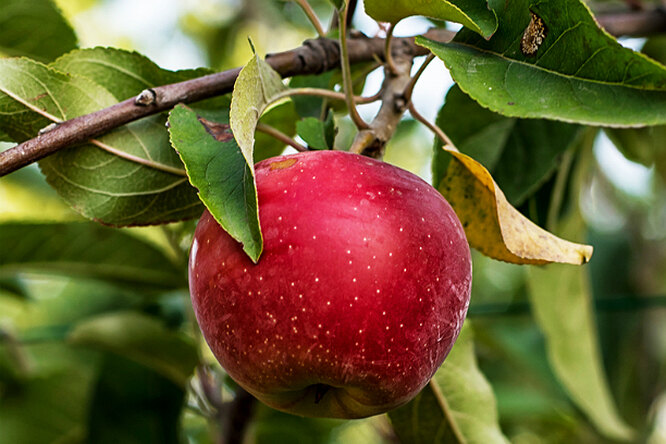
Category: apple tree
[245,252]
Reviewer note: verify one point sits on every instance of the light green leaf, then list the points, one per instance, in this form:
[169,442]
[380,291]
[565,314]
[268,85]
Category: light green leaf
[141,339]
[561,300]
[85,250]
[255,89]
[520,154]
[129,178]
[123,73]
[34,28]
[474,14]
[217,168]
[549,59]
[458,406]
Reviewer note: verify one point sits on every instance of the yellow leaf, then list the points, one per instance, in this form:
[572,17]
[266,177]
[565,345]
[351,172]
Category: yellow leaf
[496,228]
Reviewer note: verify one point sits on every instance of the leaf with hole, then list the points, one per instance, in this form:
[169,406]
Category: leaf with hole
[218,169]
[549,59]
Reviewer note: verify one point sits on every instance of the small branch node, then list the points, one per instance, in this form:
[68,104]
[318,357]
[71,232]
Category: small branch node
[147,97]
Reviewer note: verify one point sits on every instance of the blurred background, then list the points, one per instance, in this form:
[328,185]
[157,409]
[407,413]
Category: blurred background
[621,198]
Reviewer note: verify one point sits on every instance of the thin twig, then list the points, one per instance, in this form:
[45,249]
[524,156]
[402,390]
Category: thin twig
[410,88]
[312,17]
[282,137]
[391,68]
[347,83]
[432,127]
[321,92]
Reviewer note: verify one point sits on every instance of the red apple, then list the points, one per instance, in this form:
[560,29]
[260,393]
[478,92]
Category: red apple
[359,294]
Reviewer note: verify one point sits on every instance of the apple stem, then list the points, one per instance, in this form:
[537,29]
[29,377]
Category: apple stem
[320,391]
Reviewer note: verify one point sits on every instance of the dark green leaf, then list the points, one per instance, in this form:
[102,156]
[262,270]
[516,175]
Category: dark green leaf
[474,14]
[218,169]
[141,339]
[35,29]
[549,59]
[133,405]
[317,134]
[520,153]
[85,250]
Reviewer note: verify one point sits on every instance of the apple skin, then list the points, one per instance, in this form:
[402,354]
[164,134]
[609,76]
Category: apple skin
[359,295]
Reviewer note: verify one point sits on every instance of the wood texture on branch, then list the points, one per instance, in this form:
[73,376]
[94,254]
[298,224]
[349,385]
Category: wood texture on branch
[315,56]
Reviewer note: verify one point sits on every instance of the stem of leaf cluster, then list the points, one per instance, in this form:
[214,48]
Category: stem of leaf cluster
[347,83]
[279,135]
[432,127]
[559,189]
[326,93]
[410,88]
[312,17]
[388,56]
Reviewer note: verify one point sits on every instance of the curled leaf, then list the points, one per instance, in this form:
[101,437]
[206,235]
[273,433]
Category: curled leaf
[496,228]
[255,90]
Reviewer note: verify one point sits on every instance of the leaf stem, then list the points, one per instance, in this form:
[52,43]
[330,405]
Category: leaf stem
[410,88]
[326,93]
[388,56]
[282,137]
[347,83]
[559,189]
[432,127]
[312,17]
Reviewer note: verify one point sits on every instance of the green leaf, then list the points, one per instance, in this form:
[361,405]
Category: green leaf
[141,339]
[519,153]
[255,89]
[458,406]
[317,134]
[131,404]
[311,106]
[549,59]
[34,28]
[132,180]
[474,14]
[50,407]
[85,250]
[562,304]
[217,168]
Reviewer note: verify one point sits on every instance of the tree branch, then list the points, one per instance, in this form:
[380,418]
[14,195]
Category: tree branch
[315,56]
